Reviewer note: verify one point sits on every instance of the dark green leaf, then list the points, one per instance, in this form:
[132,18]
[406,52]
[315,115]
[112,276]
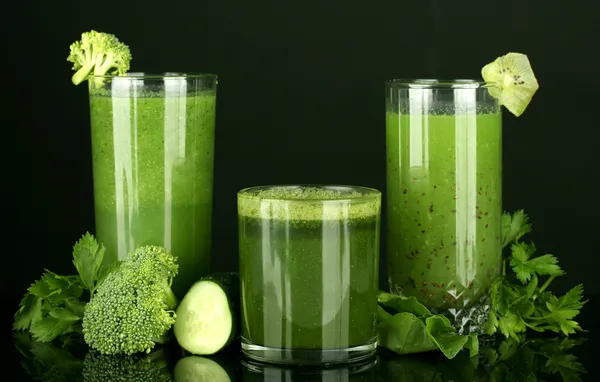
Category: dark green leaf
[56,289]
[445,336]
[564,309]
[400,304]
[514,227]
[104,271]
[30,310]
[503,295]
[64,315]
[510,324]
[491,325]
[48,328]
[88,255]
[472,344]
[404,333]
[75,306]
[525,267]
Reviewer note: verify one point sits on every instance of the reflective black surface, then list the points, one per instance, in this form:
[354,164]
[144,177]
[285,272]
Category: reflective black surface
[71,361]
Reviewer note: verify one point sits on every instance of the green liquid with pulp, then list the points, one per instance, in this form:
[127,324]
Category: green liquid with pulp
[309,284]
[153,176]
[444,206]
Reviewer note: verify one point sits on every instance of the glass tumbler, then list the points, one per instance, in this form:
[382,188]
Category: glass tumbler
[152,154]
[444,195]
[309,258]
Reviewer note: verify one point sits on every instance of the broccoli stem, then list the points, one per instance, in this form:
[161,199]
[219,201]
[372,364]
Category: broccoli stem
[103,64]
[171,300]
[164,339]
[82,74]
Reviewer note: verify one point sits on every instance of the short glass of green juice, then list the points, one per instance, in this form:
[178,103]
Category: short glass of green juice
[309,261]
[152,142]
[444,195]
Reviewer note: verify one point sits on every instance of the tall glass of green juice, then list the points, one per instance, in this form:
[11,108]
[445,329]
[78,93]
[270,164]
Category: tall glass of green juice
[152,150]
[444,195]
[309,260]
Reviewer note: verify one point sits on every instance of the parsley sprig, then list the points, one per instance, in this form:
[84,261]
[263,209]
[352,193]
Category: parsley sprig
[54,304]
[520,301]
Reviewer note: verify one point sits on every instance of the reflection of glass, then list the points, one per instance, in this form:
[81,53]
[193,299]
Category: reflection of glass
[152,150]
[308,270]
[444,184]
[256,372]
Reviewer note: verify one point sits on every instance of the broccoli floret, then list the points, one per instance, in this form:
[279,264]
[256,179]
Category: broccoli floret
[131,368]
[133,309]
[101,52]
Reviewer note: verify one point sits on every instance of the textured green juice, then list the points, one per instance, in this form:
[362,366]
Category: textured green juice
[309,281]
[444,206]
[153,176]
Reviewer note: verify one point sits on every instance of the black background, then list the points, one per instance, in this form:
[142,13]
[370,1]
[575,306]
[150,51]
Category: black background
[301,100]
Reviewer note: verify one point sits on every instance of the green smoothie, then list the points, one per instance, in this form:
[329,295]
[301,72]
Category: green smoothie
[309,271]
[153,176]
[444,206]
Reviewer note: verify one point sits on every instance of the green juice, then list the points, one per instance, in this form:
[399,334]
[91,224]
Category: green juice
[309,281]
[153,176]
[444,206]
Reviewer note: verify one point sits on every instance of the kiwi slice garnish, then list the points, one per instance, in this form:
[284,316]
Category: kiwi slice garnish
[512,81]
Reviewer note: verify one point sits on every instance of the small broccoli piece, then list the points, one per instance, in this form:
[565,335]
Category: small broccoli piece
[101,52]
[127,368]
[134,307]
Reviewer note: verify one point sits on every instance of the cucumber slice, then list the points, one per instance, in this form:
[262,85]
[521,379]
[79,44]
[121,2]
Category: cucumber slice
[199,369]
[207,317]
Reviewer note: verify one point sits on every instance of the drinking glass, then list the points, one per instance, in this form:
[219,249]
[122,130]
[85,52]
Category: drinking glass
[309,258]
[444,195]
[152,152]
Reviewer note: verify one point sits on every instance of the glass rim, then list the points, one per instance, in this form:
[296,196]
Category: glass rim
[366,193]
[157,76]
[433,83]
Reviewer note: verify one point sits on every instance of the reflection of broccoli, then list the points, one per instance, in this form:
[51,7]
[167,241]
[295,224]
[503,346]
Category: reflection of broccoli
[133,368]
[99,52]
[57,361]
[133,308]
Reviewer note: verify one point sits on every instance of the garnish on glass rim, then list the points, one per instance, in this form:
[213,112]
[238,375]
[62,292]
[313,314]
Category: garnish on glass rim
[98,53]
[515,83]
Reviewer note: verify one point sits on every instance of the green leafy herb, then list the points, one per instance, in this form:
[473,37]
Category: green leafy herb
[406,326]
[525,266]
[524,360]
[88,255]
[519,302]
[514,227]
[54,304]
